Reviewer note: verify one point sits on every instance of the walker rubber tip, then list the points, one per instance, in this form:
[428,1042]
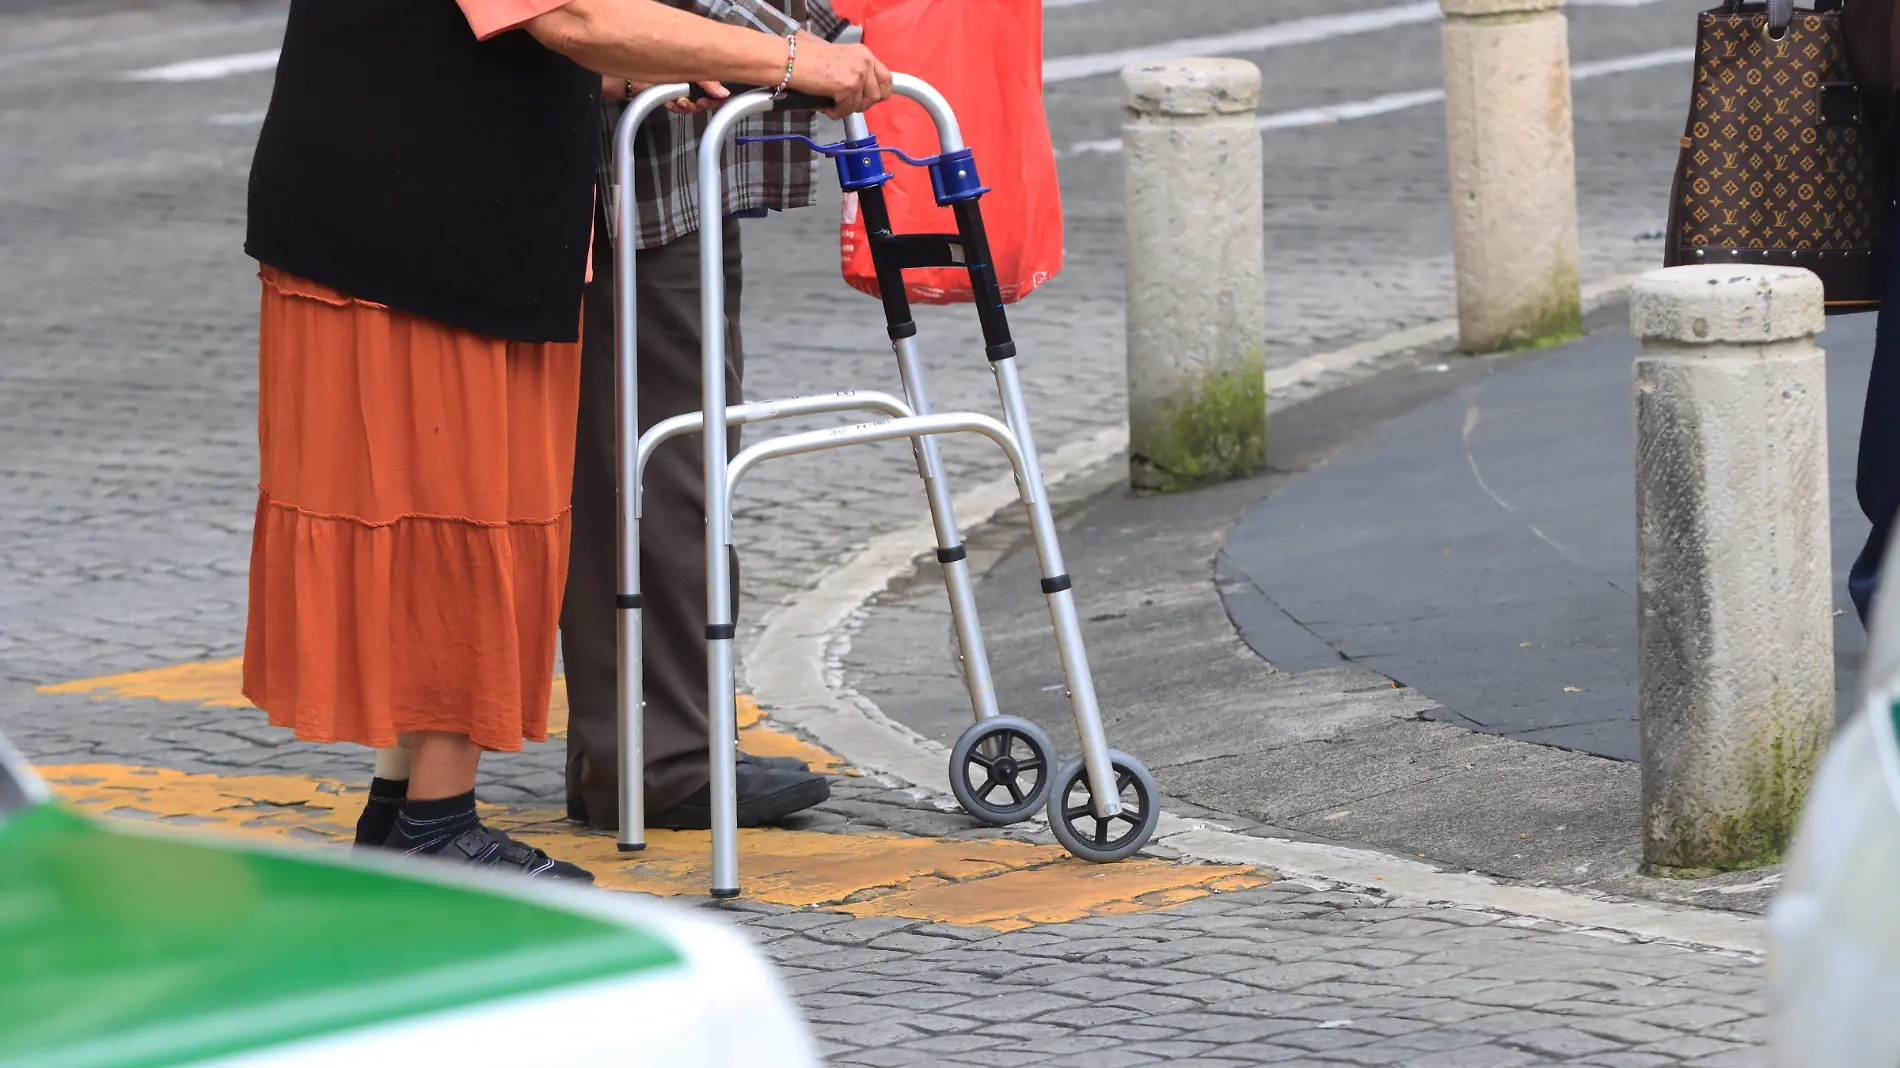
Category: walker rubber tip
[722,895]
[631,847]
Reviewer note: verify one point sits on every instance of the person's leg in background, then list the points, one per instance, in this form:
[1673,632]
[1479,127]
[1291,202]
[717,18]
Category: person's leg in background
[387,791]
[1877,468]
[672,562]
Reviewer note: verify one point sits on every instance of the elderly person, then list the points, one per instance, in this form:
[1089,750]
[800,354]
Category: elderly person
[757,178]
[421,205]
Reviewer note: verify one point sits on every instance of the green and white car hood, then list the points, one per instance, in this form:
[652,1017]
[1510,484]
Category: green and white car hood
[125,949]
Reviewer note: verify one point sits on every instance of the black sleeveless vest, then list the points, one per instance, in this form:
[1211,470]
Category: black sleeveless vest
[404,162]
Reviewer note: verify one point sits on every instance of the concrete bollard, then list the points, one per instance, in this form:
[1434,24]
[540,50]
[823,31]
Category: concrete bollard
[1733,586]
[1513,173]
[1196,254]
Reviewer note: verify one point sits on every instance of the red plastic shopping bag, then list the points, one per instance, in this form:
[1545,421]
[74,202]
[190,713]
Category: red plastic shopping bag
[985,57]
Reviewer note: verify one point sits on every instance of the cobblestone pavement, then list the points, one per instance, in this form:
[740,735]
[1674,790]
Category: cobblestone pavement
[127,401]
[126,392]
[940,954]
[1284,975]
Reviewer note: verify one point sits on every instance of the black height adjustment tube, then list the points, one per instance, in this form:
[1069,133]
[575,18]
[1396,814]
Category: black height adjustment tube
[988,295]
[890,276]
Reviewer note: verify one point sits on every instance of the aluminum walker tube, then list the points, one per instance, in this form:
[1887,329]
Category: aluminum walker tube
[762,411]
[1105,799]
[632,748]
[977,678]
[949,134]
[956,572]
[722,714]
[912,426]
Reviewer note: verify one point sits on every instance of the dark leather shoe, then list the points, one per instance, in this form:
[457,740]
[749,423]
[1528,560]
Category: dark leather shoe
[766,795]
[781,763]
[577,803]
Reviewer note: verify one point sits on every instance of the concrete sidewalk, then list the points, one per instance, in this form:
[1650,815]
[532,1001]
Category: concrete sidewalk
[1437,587]
[1482,548]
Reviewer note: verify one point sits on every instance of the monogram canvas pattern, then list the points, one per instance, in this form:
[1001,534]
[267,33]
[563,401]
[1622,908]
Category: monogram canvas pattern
[1766,174]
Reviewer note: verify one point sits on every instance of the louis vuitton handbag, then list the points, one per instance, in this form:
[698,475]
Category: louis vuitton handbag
[1778,163]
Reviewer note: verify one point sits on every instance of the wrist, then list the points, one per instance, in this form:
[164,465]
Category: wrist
[791,63]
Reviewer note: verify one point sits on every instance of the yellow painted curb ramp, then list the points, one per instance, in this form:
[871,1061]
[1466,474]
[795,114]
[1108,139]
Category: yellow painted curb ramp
[990,882]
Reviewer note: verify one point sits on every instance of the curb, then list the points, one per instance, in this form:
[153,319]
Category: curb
[796,670]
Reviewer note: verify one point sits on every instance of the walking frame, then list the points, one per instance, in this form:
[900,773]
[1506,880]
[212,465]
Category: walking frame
[1102,807]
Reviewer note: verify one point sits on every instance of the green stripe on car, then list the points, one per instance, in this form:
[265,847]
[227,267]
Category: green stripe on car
[120,949]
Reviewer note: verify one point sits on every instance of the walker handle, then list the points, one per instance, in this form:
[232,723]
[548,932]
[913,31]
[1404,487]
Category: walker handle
[842,148]
[793,101]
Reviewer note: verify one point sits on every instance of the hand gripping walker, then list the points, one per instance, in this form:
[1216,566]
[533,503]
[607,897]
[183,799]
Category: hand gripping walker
[1104,806]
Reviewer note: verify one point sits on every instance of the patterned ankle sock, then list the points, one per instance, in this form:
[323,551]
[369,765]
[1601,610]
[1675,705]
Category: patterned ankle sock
[379,812]
[424,827]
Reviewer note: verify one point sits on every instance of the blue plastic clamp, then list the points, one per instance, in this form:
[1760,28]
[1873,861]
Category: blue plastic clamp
[861,165]
[953,177]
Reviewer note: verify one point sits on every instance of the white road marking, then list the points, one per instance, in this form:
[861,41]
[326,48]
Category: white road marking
[1331,114]
[1257,39]
[1645,61]
[1060,69]
[195,32]
[237,118]
[1260,38]
[208,69]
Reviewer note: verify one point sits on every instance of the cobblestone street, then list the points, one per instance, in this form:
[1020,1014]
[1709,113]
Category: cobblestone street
[1290,975]
[910,934]
[129,317]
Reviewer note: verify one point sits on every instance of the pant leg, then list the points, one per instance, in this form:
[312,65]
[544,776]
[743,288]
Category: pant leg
[672,534]
[1877,468]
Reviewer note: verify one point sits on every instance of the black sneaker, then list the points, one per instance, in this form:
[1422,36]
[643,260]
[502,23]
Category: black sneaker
[482,846]
[766,795]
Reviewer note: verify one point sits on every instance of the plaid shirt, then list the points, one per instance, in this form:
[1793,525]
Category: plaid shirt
[772,175]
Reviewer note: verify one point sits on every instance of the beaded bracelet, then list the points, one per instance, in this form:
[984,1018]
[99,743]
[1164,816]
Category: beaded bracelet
[791,57]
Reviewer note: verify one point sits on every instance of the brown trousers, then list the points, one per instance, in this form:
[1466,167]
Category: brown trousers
[672,533]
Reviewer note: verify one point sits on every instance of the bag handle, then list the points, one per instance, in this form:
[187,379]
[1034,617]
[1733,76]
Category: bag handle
[1780,14]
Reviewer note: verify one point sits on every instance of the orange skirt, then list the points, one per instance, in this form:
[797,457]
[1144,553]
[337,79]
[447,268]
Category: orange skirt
[410,551]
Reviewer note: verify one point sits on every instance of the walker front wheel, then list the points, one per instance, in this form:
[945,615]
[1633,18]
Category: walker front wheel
[1000,769]
[1103,840]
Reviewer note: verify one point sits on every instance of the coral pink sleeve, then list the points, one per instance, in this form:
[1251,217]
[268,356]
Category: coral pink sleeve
[490,17]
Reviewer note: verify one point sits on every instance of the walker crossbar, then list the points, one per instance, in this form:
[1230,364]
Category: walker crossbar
[1055,580]
[760,412]
[630,601]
